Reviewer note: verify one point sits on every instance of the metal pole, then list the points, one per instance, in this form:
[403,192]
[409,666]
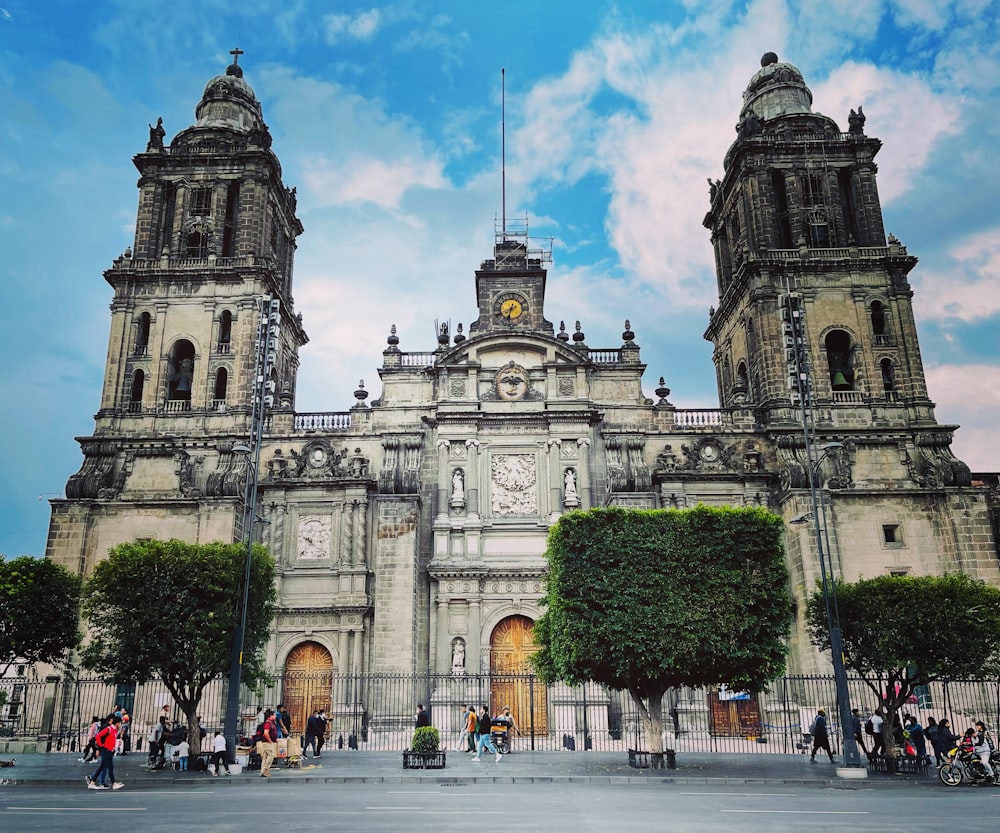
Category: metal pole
[262,397]
[852,757]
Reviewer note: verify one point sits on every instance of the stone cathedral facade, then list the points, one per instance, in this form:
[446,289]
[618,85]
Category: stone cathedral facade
[409,531]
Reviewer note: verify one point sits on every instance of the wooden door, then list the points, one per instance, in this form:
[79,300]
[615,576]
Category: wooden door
[308,683]
[734,715]
[511,645]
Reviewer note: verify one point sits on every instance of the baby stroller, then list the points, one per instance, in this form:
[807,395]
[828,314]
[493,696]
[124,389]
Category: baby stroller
[500,735]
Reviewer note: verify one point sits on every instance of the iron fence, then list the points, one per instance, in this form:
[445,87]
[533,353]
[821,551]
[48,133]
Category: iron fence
[376,711]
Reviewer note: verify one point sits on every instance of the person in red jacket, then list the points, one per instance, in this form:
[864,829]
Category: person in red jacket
[106,740]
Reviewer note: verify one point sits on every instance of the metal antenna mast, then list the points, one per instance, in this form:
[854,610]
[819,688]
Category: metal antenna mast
[503,149]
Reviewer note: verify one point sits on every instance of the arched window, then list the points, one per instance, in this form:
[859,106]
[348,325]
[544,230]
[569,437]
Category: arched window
[888,375]
[878,318]
[742,378]
[838,356]
[142,335]
[197,244]
[225,330]
[221,380]
[181,374]
[135,394]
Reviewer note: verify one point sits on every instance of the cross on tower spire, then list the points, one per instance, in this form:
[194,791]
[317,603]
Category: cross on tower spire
[236,55]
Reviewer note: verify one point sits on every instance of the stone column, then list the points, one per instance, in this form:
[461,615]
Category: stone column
[583,473]
[553,450]
[345,534]
[441,651]
[473,651]
[444,479]
[342,666]
[472,478]
[360,533]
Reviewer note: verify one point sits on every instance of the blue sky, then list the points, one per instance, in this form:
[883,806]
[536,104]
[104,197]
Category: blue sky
[386,118]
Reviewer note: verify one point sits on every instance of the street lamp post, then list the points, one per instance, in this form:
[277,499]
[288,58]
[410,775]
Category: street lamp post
[230,730]
[262,397]
[828,585]
[801,395]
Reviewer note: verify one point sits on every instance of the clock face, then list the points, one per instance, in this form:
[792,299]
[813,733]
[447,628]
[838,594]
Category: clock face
[511,307]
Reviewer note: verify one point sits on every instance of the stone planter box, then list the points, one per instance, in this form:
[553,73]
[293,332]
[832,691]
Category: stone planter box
[901,765]
[423,760]
[652,760]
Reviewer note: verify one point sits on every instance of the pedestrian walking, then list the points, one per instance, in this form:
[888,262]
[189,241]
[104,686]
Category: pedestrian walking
[856,728]
[422,718]
[90,751]
[314,735]
[821,736]
[266,747]
[878,740]
[219,754]
[484,741]
[106,739]
[463,729]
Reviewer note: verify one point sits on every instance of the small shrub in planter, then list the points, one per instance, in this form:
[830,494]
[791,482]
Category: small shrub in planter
[425,752]
[426,739]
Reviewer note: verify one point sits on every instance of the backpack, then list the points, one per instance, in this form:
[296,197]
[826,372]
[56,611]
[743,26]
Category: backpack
[869,727]
[258,735]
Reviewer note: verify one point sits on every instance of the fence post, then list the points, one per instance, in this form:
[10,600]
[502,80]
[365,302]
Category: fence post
[49,709]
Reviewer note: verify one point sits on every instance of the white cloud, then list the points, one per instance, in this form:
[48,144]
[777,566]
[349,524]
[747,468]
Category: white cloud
[949,387]
[366,179]
[970,290]
[902,110]
[361,26]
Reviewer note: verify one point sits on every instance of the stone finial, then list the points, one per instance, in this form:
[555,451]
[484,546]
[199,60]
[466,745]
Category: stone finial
[563,335]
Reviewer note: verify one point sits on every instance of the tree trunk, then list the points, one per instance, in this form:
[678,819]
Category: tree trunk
[651,713]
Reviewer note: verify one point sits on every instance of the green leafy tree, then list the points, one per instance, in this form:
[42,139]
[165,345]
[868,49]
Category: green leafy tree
[39,611]
[901,632]
[645,601]
[167,610]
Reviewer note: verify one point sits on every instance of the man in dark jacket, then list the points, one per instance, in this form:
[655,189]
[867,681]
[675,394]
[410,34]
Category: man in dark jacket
[314,735]
[821,736]
[423,719]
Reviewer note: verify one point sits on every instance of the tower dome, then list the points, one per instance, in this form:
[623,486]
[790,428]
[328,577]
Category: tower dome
[229,101]
[778,89]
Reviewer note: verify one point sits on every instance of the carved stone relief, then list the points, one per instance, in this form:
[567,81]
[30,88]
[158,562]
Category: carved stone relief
[513,479]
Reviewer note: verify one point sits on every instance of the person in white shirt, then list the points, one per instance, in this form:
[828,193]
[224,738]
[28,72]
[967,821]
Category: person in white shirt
[219,754]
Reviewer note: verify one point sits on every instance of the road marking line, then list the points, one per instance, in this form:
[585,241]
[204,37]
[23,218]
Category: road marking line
[767,795]
[80,809]
[806,812]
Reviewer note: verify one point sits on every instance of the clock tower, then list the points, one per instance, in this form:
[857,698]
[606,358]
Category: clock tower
[510,288]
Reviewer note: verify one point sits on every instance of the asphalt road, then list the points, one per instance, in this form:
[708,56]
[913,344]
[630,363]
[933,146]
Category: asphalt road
[552,808]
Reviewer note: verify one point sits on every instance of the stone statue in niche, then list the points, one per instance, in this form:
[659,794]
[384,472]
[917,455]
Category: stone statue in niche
[570,497]
[458,656]
[457,490]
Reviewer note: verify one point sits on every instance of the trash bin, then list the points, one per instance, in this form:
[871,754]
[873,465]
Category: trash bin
[671,757]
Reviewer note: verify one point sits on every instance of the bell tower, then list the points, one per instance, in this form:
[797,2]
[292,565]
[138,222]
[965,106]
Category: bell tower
[798,211]
[215,234]
[215,229]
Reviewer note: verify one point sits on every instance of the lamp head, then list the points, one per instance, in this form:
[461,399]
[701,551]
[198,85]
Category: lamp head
[805,517]
[241,448]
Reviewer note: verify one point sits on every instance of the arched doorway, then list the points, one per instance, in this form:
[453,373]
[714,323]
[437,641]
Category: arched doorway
[308,682]
[511,645]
